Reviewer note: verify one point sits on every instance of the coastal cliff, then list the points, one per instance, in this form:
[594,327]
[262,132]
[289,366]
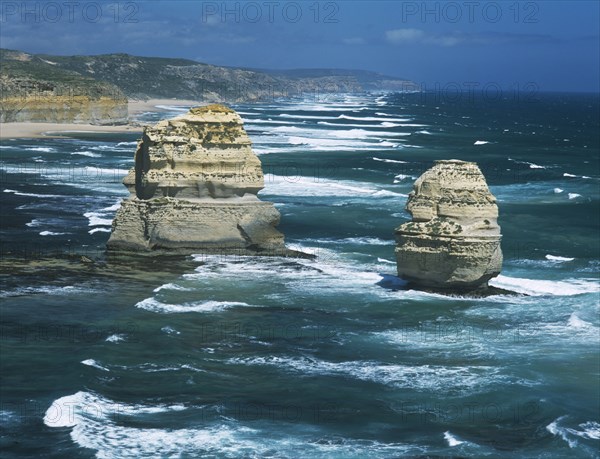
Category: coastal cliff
[194,188]
[35,90]
[453,241]
[139,77]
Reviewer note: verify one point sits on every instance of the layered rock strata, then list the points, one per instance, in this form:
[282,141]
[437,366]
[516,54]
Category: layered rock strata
[453,240]
[77,101]
[194,189]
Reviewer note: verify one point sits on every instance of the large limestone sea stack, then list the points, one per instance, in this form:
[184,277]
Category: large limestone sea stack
[453,241]
[194,189]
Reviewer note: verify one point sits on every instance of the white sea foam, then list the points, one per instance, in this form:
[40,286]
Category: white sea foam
[574,195]
[95,219]
[557,258]
[397,161]
[424,132]
[546,287]
[568,175]
[112,208]
[82,407]
[151,304]
[34,195]
[319,144]
[116,338]
[480,142]
[420,377]
[364,134]
[558,190]
[305,186]
[250,121]
[590,430]
[93,363]
[170,330]
[555,430]
[384,124]
[87,153]
[99,230]
[451,439]
[351,240]
[575,322]
[371,118]
[352,134]
[308,117]
[42,149]
[171,286]
[50,233]
[383,260]
[93,422]
[33,223]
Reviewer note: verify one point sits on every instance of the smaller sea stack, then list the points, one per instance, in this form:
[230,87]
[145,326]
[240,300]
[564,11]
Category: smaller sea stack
[453,241]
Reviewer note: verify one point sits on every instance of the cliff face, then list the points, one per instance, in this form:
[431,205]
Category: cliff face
[453,241]
[194,188]
[35,90]
[153,77]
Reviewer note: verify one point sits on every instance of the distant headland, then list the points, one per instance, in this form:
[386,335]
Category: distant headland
[95,89]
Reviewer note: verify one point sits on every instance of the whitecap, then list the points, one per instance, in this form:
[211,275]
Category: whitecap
[536,287]
[87,153]
[371,118]
[42,149]
[99,230]
[153,305]
[34,195]
[568,175]
[112,208]
[93,363]
[557,258]
[383,260]
[451,439]
[398,178]
[171,286]
[82,407]
[555,430]
[33,223]
[480,142]
[95,219]
[50,233]
[170,330]
[576,322]
[116,338]
[397,161]
[574,195]
[558,190]
[94,423]
[420,377]
[305,186]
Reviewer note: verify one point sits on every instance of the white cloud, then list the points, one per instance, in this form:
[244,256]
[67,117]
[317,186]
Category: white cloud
[418,36]
[401,36]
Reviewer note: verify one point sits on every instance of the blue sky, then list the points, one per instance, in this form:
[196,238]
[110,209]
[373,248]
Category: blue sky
[552,44]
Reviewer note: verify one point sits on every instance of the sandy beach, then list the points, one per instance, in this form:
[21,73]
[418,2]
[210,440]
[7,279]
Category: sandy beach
[37,130]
